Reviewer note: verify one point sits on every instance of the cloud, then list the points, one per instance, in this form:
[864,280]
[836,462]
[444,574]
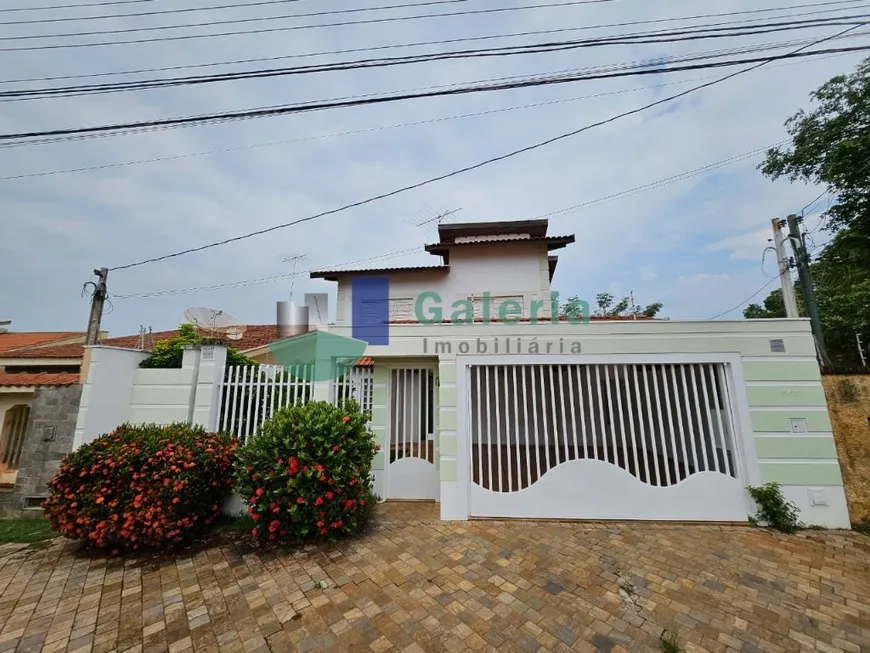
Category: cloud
[57,229]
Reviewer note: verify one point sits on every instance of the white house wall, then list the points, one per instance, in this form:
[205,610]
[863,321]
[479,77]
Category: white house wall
[507,269]
[773,390]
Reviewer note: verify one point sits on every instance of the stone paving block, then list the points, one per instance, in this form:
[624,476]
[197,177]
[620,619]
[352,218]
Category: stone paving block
[415,584]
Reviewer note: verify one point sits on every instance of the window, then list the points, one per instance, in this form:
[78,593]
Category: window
[495,304]
[401,309]
[12,435]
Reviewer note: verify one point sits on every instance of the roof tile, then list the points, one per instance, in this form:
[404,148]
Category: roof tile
[38,379]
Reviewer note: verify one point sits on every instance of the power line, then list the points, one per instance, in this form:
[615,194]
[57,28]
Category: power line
[79,5]
[395,126]
[558,213]
[234,21]
[258,3]
[300,108]
[251,282]
[427,43]
[748,299]
[535,48]
[475,166]
[296,27]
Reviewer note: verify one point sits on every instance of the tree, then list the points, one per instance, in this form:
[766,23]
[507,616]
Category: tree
[773,306]
[606,308]
[830,146]
[169,353]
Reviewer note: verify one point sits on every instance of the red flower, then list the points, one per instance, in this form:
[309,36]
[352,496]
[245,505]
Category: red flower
[337,448]
[259,491]
[318,501]
[345,419]
[300,500]
[329,495]
[255,516]
[254,532]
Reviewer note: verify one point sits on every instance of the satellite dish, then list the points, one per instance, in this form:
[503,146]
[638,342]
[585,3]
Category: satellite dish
[215,323]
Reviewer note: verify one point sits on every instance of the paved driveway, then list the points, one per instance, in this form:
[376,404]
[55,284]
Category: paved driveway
[418,584]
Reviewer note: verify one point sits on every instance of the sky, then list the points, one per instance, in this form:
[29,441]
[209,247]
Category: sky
[695,245]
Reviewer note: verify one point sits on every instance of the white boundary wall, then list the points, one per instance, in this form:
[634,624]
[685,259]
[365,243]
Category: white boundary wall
[118,391]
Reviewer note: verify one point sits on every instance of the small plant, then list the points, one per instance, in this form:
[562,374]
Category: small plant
[669,642]
[815,527]
[774,510]
[142,487]
[848,391]
[307,473]
[862,527]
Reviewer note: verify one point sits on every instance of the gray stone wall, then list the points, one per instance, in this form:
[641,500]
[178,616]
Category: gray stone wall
[48,439]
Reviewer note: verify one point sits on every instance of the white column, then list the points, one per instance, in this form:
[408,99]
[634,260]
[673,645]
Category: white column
[208,382]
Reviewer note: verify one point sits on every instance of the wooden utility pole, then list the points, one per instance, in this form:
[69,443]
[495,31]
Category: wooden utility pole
[803,265]
[98,298]
[784,267]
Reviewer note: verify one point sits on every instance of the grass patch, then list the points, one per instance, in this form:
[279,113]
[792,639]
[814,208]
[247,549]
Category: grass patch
[25,531]
[669,643]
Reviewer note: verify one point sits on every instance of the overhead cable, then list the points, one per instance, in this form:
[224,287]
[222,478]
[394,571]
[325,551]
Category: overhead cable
[21,137]
[297,27]
[408,45]
[234,21]
[535,48]
[478,165]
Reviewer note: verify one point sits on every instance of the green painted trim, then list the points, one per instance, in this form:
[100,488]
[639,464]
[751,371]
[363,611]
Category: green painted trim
[781,371]
[448,469]
[796,446]
[447,396]
[447,372]
[378,461]
[775,421]
[447,419]
[381,375]
[786,395]
[379,396]
[801,473]
[448,444]
[379,415]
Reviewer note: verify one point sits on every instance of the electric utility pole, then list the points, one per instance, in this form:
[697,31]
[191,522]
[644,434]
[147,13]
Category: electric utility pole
[798,244]
[98,298]
[784,267]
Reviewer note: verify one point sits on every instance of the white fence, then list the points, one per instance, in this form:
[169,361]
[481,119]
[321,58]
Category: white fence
[250,394]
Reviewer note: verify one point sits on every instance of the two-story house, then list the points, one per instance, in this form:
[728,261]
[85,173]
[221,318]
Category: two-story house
[509,410]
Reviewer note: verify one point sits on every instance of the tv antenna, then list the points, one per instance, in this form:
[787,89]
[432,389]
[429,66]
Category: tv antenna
[294,260]
[216,323]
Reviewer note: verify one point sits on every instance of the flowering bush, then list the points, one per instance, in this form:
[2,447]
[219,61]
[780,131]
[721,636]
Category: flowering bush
[142,486]
[306,474]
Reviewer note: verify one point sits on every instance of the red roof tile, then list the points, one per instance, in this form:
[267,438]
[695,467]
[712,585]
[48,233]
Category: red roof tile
[255,336]
[17,340]
[38,379]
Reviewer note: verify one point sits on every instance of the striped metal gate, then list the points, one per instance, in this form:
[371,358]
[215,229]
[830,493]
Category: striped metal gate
[608,441]
[412,425]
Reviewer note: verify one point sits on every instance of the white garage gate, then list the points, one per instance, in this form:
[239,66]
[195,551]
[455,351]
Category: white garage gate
[620,440]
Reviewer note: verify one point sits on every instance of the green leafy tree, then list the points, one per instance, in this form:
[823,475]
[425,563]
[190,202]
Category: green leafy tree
[606,307]
[830,146]
[168,354]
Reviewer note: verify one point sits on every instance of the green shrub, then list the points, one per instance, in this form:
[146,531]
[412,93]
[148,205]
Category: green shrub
[142,486]
[307,473]
[168,354]
[774,510]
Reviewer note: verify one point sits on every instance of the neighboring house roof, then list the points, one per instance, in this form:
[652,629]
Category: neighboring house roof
[26,379]
[449,232]
[255,336]
[333,275]
[17,340]
[553,242]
